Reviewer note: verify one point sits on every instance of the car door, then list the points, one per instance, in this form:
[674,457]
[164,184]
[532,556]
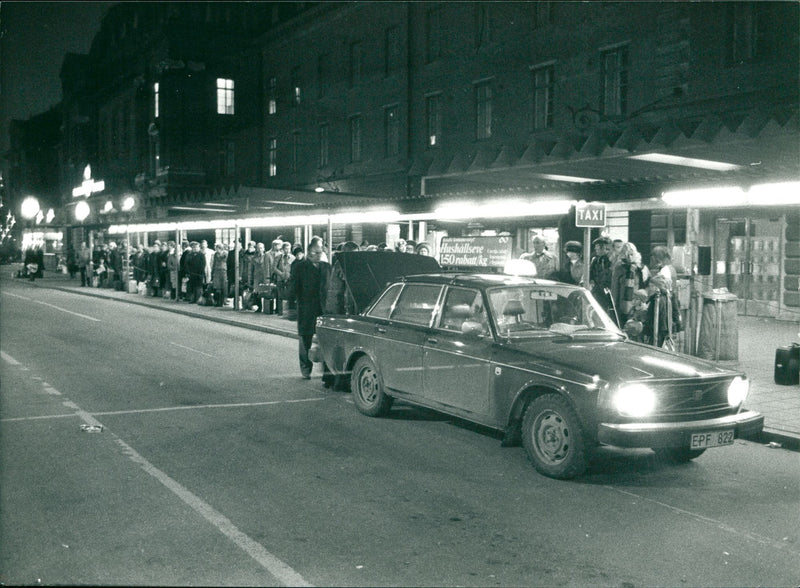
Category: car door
[398,339]
[457,354]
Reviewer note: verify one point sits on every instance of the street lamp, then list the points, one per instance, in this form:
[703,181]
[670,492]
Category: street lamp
[30,207]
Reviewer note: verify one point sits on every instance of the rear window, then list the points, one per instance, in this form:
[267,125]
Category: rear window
[384,305]
[416,304]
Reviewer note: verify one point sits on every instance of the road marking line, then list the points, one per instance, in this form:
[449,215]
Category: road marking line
[774,544]
[91,318]
[190,349]
[272,564]
[232,405]
[8,359]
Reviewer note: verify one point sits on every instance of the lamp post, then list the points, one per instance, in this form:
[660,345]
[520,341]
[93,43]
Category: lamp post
[29,209]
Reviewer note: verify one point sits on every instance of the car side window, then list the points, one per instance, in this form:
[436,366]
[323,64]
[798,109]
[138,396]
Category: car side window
[383,307]
[416,304]
[463,308]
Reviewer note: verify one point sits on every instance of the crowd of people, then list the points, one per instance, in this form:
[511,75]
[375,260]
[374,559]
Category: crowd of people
[641,299]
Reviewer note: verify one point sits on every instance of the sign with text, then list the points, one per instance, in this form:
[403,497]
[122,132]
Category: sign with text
[590,214]
[475,251]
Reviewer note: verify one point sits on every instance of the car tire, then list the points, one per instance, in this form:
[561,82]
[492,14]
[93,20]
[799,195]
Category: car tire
[553,437]
[677,454]
[366,384]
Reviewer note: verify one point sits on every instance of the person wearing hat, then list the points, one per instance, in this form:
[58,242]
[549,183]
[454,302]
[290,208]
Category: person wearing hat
[423,248]
[573,273]
[600,273]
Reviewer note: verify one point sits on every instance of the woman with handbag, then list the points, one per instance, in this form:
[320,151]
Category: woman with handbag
[260,272]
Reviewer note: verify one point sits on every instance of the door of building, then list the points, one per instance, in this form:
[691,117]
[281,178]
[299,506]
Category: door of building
[749,262]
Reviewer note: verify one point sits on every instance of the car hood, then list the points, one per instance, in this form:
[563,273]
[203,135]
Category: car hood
[619,360]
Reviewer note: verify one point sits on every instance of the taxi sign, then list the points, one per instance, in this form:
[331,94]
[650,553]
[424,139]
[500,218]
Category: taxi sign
[590,214]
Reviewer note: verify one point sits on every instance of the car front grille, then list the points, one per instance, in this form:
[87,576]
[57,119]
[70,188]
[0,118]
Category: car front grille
[692,400]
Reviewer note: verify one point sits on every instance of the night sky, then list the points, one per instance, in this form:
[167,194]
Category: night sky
[35,38]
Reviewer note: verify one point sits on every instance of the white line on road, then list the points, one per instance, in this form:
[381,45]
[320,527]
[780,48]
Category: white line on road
[272,564]
[91,318]
[190,349]
[236,405]
[775,544]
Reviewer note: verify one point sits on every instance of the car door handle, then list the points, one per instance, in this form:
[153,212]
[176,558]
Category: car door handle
[432,340]
[380,329]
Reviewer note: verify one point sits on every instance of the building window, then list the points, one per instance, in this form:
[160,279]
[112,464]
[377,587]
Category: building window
[273,157]
[224,96]
[392,50]
[272,96]
[433,119]
[355,63]
[746,32]
[323,73]
[483,110]
[542,79]
[615,81]
[433,35]
[542,14]
[296,90]
[355,138]
[391,123]
[483,24]
[156,101]
[324,145]
[295,150]
[227,158]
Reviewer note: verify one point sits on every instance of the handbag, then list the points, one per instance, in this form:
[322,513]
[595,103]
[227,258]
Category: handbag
[266,290]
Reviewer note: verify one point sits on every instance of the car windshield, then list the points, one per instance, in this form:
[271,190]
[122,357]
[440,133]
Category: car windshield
[535,310]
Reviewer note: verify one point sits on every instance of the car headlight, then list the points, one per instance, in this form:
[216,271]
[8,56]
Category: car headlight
[635,400]
[737,391]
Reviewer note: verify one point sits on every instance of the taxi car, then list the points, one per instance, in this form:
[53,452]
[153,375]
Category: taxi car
[536,359]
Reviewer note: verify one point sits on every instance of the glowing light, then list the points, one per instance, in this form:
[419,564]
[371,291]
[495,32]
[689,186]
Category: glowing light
[82,210]
[687,161]
[519,267]
[777,194]
[30,207]
[128,203]
[503,209]
[50,216]
[319,189]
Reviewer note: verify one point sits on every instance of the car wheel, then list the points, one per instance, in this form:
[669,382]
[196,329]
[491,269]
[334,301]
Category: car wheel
[677,454]
[553,438]
[367,386]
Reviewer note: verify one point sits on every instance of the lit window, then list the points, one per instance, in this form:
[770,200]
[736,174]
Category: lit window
[296,91]
[272,108]
[542,97]
[224,96]
[483,110]
[433,119]
[392,130]
[615,81]
[155,100]
[355,138]
[273,158]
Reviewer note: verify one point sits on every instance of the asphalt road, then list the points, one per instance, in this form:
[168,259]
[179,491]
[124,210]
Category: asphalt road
[218,465]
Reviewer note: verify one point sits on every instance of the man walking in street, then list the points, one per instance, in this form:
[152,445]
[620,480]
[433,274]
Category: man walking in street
[310,282]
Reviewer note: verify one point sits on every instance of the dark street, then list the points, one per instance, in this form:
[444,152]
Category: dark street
[218,465]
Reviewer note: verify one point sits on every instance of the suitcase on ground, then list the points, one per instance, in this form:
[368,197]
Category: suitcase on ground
[787,365]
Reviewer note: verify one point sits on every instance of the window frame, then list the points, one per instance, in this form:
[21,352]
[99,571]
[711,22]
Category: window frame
[323,136]
[484,104]
[433,34]
[614,80]
[225,96]
[356,145]
[272,96]
[356,63]
[433,120]
[272,157]
[391,129]
[542,107]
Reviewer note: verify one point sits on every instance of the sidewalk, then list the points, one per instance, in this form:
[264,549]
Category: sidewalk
[758,338]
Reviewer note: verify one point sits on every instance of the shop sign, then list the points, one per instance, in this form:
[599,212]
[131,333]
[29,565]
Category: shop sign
[475,251]
[590,214]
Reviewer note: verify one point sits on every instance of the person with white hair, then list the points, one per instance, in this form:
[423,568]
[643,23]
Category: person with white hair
[628,275]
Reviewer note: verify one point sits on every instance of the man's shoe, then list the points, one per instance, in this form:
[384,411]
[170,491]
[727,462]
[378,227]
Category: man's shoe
[306,376]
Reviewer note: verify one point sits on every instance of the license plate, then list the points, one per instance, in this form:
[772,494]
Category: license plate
[711,439]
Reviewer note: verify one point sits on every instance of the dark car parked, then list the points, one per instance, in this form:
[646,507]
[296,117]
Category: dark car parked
[536,359]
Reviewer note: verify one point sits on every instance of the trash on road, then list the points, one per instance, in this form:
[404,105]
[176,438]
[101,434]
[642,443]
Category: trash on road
[92,428]
[774,445]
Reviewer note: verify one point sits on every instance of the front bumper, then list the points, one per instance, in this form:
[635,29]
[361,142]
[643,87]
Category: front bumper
[744,424]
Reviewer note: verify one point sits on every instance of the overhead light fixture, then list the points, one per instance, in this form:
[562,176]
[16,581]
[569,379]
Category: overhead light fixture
[319,189]
[686,161]
[776,194]
[503,209]
[128,203]
[573,179]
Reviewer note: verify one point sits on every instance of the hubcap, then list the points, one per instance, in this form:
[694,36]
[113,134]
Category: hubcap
[551,437]
[368,385]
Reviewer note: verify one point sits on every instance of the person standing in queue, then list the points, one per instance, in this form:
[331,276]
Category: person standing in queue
[310,282]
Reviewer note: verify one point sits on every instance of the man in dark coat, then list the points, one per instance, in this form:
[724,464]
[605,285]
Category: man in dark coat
[310,285]
[195,269]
